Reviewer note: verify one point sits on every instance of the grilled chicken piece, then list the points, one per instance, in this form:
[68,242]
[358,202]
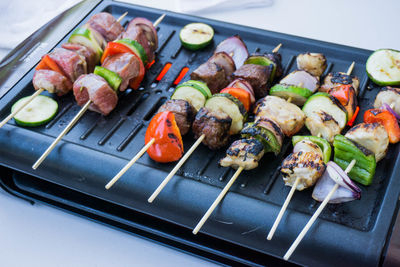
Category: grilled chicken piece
[322,124]
[257,76]
[303,79]
[287,115]
[307,146]
[307,166]
[215,126]
[390,96]
[51,81]
[243,153]
[334,79]
[212,74]
[184,113]
[372,136]
[314,63]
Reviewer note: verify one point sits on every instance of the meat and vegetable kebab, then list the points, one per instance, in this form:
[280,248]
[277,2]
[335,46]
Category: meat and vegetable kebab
[122,65]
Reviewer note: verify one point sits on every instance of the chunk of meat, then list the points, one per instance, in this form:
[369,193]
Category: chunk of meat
[225,61]
[321,124]
[85,52]
[372,136]
[215,126]
[334,79]
[287,115]
[106,25]
[212,74]
[257,76]
[307,146]
[277,59]
[52,81]
[390,96]
[135,32]
[307,166]
[314,63]
[72,64]
[243,153]
[126,65]
[184,113]
[91,86]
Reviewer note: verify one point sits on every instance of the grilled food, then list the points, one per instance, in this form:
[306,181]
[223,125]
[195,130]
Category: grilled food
[334,79]
[390,96]
[243,153]
[314,63]
[184,113]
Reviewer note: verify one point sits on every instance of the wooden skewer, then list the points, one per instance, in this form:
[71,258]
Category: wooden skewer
[9,117]
[176,168]
[130,163]
[276,49]
[216,201]
[315,216]
[155,24]
[122,16]
[64,132]
[350,69]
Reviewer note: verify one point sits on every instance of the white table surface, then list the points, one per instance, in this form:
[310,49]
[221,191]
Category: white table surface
[39,235]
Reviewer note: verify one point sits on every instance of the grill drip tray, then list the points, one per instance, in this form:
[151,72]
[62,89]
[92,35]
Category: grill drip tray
[74,174]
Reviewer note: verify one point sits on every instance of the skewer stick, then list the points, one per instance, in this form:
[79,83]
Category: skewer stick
[62,134]
[276,49]
[176,168]
[315,216]
[216,201]
[130,163]
[122,16]
[158,21]
[9,117]
[350,69]
[283,209]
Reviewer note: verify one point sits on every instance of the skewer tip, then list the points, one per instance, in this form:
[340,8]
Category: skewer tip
[276,49]
[158,21]
[122,16]
[350,69]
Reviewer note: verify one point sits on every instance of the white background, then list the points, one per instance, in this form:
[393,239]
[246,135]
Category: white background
[42,236]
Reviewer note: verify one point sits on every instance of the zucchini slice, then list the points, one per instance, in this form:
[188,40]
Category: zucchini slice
[383,67]
[191,94]
[195,36]
[231,106]
[85,37]
[40,111]
[200,86]
[297,95]
[324,102]
[136,48]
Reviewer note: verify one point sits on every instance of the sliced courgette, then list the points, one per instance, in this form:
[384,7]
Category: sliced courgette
[200,86]
[191,94]
[136,48]
[383,67]
[297,95]
[41,110]
[195,36]
[324,102]
[231,106]
[112,78]
[85,37]
[266,137]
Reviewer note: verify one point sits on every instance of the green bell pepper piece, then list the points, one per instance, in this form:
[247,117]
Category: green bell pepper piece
[113,79]
[322,143]
[266,137]
[345,151]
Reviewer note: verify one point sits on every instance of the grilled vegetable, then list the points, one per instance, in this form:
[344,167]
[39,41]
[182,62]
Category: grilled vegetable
[314,63]
[241,94]
[49,64]
[194,92]
[135,47]
[323,102]
[242,83]
[302,79]
[347,97]
[86,38]
[346,150]
[168,145]
[333,174]
[334,79]
[41,110]
[266,137]
[195,36]
[297,95]
[230,105]
[387,119]
[113,79]
[390,96]
[383,67]
[263,61]
[322,143]
[234,47]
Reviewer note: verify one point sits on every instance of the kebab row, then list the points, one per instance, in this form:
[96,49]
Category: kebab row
[123,55]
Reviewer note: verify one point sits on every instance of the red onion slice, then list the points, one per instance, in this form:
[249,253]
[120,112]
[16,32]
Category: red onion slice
[347,190]
[147,26]
[236,48]
[388,108]
[242,83]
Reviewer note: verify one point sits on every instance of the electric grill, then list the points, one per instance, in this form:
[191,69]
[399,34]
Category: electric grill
[74,174]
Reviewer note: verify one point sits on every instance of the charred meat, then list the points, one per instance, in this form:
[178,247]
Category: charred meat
[243,153]
[334,79]
[257,76]
[184,113]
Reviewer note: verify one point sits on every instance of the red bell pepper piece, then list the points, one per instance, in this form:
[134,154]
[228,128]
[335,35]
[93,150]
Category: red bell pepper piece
[351,121]
[387,119]
[168,145]
[49,64]
[240,94]
[346,95]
